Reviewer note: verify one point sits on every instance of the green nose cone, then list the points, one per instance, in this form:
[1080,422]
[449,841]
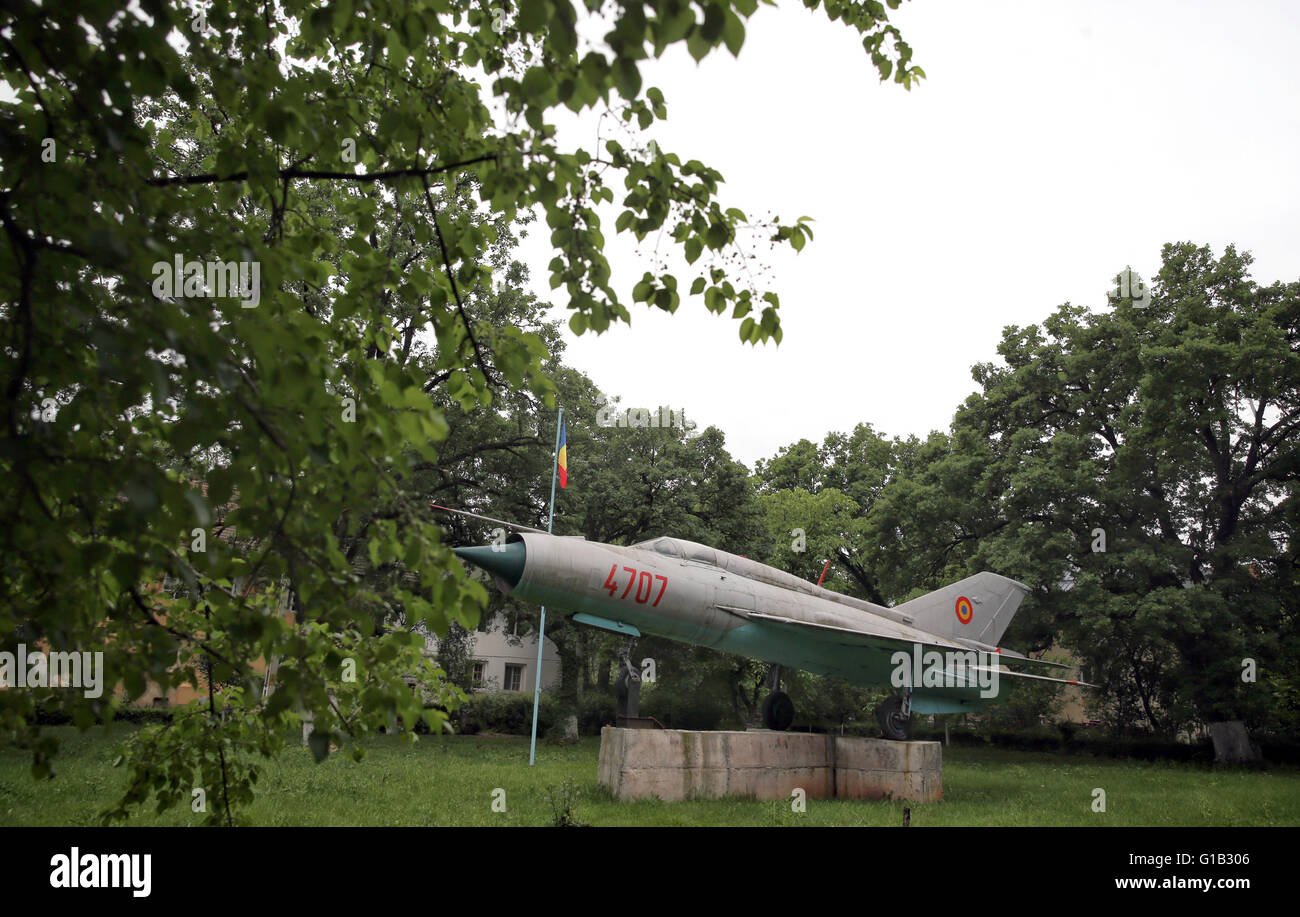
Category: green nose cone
[505,561]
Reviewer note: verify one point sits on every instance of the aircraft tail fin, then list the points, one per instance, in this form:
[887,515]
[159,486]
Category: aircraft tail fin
[977,608]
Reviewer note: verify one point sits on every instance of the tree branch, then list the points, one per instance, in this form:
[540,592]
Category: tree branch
[209,178]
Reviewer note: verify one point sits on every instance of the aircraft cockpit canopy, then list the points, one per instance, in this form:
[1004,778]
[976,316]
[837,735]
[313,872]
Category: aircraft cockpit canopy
[687,550]
[668,546]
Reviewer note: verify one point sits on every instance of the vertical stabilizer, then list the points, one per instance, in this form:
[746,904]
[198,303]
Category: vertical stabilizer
[977,608]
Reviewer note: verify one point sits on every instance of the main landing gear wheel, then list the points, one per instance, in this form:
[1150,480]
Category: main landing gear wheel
[778,711]
[893,724]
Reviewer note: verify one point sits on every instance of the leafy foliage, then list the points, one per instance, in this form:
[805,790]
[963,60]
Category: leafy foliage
[363,164]
[1137,467]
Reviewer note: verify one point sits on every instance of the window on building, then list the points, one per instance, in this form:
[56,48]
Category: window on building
[514,678]
[480,671]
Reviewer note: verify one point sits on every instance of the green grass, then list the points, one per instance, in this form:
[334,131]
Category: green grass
[450,781]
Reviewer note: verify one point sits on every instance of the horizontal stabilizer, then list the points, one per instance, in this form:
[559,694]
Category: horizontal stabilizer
[1010,657]
[1059,681]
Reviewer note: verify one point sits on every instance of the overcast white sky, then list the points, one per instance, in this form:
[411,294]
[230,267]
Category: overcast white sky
[1051,144]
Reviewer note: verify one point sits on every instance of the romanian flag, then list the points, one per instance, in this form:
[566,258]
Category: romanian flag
[562,458]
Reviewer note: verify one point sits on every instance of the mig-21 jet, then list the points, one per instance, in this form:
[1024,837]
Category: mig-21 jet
[940,650]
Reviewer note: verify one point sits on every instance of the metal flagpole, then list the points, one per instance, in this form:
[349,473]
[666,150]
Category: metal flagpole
[541,630]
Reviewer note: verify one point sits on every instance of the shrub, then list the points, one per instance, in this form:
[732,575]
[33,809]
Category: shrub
[678,709]
[143,715]
[563,800]
[596,711]
[509,712]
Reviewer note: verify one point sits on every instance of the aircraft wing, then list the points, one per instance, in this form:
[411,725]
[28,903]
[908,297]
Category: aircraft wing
[845,636]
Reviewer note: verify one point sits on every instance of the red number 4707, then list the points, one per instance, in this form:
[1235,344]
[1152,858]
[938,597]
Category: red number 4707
[644,581]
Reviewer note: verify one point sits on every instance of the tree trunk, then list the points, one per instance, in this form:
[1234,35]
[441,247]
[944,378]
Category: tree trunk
[582,669]
[1232,744]
[602,673]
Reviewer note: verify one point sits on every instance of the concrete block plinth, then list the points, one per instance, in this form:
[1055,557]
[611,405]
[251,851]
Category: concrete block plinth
[677,764]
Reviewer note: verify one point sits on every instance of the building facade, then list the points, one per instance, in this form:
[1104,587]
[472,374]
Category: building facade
[506,661]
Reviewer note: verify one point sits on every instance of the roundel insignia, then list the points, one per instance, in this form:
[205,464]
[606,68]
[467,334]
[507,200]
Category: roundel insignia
[965,610]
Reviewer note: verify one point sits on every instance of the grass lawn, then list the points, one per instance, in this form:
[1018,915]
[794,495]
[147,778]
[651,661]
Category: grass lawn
[450,781]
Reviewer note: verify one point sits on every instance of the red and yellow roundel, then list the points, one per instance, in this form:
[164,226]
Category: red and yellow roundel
[965,610]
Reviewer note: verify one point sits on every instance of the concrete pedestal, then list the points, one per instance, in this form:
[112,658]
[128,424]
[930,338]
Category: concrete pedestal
[676,764]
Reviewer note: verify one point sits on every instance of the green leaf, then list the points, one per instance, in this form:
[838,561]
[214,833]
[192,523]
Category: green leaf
[733,33]
[698,45]
[628,78]
[537,83]
[413,397]
[715,21]
[533,15]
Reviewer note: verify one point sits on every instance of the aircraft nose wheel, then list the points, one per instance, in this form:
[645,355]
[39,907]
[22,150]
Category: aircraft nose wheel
[778,711]
[893,723]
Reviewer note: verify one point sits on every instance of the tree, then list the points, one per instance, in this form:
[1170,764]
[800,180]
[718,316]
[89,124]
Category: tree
[805,530]
[319,152]
[1137,468]
[858,464]
[816,500]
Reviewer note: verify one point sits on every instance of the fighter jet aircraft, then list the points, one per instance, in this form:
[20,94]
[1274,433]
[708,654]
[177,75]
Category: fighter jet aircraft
[941,649]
